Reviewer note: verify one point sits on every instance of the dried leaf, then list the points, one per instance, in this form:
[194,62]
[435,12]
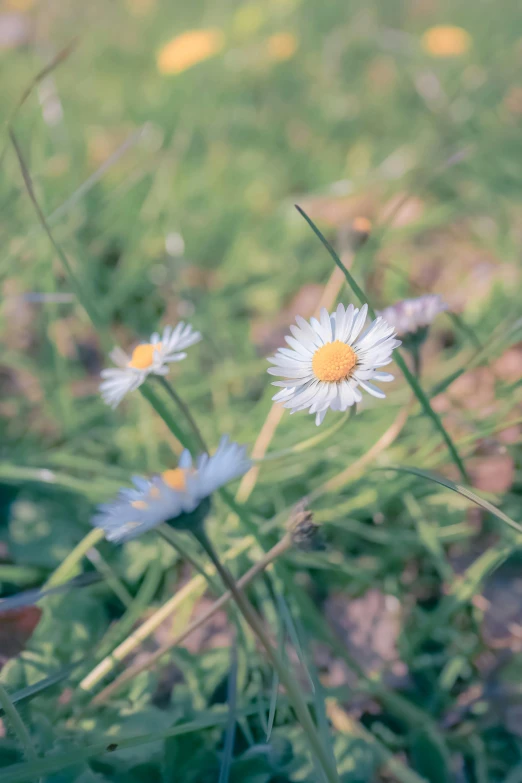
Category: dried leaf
[16,628]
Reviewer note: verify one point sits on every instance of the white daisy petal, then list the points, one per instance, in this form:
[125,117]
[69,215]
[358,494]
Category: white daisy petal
[349,316]
[338,319]
[284,394]
[119,357]
[326,323]
[319,417]
[299,347]
[174,357]
[289,371]
[328,359]
[293,360]
[292,382]
[119,383]
[308,331]
[358,323]
[373,390]
[322,333]
[346,395]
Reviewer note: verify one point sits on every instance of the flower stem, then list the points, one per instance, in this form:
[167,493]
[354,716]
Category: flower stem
[293,688]
[173,538]
[186,412]
[417,363]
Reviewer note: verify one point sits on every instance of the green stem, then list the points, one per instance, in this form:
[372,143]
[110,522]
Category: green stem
[417,362]
[293,688]
[17,724]
[173,539]
[186,412]
[162,410]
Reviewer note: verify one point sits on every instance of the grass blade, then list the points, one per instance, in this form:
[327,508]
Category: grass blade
[31,691]
[274,692]
[230,731]
[62,55]
[464,491]
[31,597]
[27,772]
[17,724]
[84,296]
[401,363]
[318,692]
[466,586]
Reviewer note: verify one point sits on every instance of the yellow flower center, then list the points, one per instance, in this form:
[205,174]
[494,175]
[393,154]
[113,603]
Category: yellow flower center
[333,361]
[176,479]
[139,504]
[143,355]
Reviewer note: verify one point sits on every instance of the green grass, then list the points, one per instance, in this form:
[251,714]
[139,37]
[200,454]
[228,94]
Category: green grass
[172,197]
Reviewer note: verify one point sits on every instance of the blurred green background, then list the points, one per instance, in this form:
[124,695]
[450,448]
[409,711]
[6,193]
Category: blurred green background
[167,151]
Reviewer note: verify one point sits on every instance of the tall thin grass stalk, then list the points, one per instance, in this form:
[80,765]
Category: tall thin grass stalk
[285,675]
[184,408]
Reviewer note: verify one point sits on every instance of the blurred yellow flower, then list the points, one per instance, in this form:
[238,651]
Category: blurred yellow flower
[188,49]
[282,46]
[446,41]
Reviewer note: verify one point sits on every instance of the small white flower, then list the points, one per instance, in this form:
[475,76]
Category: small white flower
[411,315]
[328,360]
[171,494]
[151,358]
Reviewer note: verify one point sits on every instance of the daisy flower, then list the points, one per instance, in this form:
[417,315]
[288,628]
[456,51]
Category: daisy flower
[171,496]
[413,315]
[152,358]
[330,360]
